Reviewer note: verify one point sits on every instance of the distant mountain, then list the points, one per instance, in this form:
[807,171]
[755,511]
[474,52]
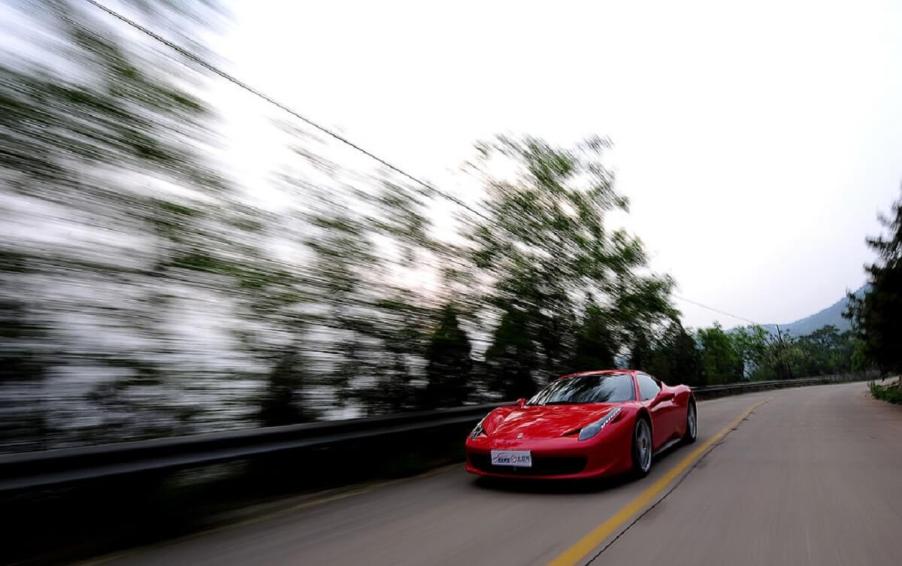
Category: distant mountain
[830,315]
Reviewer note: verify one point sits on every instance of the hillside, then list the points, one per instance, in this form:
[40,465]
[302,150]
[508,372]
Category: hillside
[830,315]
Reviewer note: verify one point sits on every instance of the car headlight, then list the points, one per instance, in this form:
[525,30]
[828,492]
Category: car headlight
[593,429]
[478,430]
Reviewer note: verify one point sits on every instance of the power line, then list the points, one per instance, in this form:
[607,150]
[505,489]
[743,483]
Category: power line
[725,313]
[331,133]
[241,84]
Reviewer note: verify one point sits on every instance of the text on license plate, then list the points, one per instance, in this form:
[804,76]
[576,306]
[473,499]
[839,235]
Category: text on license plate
[518,458]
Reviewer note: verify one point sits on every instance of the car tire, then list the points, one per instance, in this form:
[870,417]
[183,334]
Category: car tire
[642,448]
[691,423]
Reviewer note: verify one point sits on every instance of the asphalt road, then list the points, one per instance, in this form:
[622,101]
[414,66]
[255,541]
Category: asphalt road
[811,476]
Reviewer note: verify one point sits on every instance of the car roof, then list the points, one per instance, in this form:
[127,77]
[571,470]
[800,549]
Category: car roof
[597,372]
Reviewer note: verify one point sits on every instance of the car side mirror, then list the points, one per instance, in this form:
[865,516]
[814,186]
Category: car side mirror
[521,402]
[665,396]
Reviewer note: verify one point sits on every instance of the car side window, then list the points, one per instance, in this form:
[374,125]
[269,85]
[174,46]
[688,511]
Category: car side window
[648,387]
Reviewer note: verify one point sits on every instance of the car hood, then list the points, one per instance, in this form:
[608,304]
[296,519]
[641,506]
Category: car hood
[543,421]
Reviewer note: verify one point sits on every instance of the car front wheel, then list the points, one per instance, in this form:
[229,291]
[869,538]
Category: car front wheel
[691,424]
[642,448]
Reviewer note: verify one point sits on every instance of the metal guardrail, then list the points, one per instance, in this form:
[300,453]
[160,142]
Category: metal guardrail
[56,467]
[52,467]
[712,391]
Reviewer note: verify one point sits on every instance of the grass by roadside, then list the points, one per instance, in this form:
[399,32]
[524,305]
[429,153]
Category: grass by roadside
[891,391]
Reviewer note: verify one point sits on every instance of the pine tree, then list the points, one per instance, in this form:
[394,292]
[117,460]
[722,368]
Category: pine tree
[511,358]
[877,317]
[449,365]
[594,342]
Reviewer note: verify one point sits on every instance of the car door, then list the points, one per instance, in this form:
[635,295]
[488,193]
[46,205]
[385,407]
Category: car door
[660,403]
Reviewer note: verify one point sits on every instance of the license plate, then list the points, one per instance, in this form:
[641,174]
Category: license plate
[516,458]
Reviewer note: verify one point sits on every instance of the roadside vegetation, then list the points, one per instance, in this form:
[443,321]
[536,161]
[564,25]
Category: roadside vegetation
[877,317]
[891,392]
[713,356]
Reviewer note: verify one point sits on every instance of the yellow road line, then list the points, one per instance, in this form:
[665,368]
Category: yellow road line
[599,534]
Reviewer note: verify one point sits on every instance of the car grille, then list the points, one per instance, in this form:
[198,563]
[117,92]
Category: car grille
[541,465]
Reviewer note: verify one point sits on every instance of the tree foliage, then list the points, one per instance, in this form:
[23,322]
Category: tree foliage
[877,317]
[512,359]
[569,289]
[721,359]
[100,245]
[449,365]
[595,344]
[676,357]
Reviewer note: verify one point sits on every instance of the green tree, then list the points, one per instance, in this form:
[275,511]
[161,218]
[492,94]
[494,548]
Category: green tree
[365,247]
[825,351]
[785,355]
[877,317]
[594,343]
[676,357]
[686,365]
[283,402]
[641,353]
[511,358]
[720,360]
[108,151]
[752,346]
[449,365]
[24,358]
[544,244]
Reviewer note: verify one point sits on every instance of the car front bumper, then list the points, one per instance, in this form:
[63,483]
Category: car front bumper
[560,458]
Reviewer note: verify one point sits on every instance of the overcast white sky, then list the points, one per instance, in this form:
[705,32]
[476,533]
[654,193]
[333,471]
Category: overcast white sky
[757,141]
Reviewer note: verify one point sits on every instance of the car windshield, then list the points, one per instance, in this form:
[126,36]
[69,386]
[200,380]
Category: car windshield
[599,388]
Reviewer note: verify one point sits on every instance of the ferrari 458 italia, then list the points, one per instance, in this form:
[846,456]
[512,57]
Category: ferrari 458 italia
[584,425]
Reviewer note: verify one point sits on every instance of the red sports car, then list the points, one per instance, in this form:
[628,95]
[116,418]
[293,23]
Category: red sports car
[584,425]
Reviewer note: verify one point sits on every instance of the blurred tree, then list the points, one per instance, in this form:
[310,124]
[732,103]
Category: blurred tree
[544,244]
[449,365]
[876,317]
[402,330]
[363,259]
[342,256]
[132,236]
[676,357]
[21,356]
[511,357]
[24,357]
[283,402]
[641,308]
[595,347]
[641,352]
[686,365]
